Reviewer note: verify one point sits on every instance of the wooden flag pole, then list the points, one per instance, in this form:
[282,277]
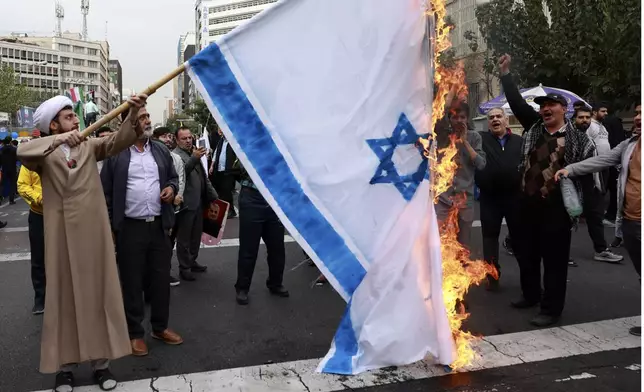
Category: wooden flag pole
[126,106]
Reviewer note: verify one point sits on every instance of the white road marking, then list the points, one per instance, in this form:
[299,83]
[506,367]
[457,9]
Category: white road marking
[15,256]
[494,352]
[582,376]
[225,243]
[634,367]
[476,223]
[14,229]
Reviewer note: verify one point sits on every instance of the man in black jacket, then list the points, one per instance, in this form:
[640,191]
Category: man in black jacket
[8,161]
[222,174]
[139,185]
[550,142]
[499,182]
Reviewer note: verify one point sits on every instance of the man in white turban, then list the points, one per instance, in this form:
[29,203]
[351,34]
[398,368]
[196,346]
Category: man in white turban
[84,318]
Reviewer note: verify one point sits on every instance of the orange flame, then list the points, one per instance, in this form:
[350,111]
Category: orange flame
[459,272]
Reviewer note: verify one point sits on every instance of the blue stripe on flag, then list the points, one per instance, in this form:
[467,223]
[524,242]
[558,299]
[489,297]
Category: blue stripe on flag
[212,70]
[346,347]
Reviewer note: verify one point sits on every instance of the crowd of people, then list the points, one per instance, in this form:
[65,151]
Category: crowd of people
[591,148]
[147,189]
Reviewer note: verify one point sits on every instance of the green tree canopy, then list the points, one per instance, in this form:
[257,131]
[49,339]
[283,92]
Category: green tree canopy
[201,114]
[12,95]
[183,120]
[590,47]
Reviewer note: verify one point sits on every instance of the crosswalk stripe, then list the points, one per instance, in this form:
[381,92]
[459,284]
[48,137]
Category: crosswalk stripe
[225,243]
[476,223]
[494,352]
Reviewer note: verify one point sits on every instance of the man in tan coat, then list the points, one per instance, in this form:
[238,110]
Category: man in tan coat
[85,320]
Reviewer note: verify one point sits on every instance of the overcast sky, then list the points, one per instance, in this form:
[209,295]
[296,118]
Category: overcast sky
[143,34]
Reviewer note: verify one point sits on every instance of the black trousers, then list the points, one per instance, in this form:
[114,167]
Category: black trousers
[224,184]
[257,220]
[594,213]
[189,229]
[37,245]
[632,232]
[9,185]
[544,234]
[143,254]
[611,211]
[493,209]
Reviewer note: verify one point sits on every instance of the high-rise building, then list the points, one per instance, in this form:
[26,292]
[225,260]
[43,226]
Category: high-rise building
[83,64]
[482,86]
[116,78]
[36,67]
[214,18]
[184,91]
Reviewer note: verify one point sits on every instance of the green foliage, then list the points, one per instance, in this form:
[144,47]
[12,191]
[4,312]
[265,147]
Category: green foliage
[38,97]
[201,114]
[590,47]
[183,120]
[12,95]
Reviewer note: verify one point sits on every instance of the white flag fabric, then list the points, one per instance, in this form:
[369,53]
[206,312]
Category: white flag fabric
[323,100]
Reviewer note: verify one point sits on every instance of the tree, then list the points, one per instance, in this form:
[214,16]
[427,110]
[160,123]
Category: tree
[590,47]
[183,120]
[201,114]
[36,97]
[12,95]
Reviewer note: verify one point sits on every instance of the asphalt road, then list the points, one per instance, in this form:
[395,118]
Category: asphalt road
[219,334]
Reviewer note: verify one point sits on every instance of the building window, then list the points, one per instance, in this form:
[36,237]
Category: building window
[67,73]
[92,52]
[64,60]
[232,18]
[63,47]
[79,49]
[214,33]
[79,62]
[92,64]
[78,74]
[235,6]
[50,59]
[92,76]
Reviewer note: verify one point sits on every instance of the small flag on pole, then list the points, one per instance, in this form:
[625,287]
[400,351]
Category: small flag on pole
[323,102]
[78,98]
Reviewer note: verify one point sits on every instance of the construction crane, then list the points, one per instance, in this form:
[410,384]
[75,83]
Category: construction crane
[85,11]
[60,15]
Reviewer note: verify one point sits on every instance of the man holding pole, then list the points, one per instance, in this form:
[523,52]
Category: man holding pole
[85,320]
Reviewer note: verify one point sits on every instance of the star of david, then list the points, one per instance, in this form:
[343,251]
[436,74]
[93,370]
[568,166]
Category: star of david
[384,148]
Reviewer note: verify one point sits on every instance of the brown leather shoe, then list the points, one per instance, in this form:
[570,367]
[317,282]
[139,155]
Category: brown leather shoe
[168,337]
[139,348]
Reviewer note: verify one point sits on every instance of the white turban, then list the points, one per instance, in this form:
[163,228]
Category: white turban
[48,110]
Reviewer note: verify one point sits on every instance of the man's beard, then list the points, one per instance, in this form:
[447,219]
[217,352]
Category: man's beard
[147,133]
[583,127]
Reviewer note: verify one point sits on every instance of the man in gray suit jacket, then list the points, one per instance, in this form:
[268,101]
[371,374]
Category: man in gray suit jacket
[198,193]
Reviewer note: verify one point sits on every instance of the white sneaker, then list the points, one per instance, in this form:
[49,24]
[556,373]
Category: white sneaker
[608,257]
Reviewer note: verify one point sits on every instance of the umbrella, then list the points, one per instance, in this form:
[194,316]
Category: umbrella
[529,94]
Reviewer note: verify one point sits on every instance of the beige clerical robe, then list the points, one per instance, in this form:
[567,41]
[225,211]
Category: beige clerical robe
[84,317]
